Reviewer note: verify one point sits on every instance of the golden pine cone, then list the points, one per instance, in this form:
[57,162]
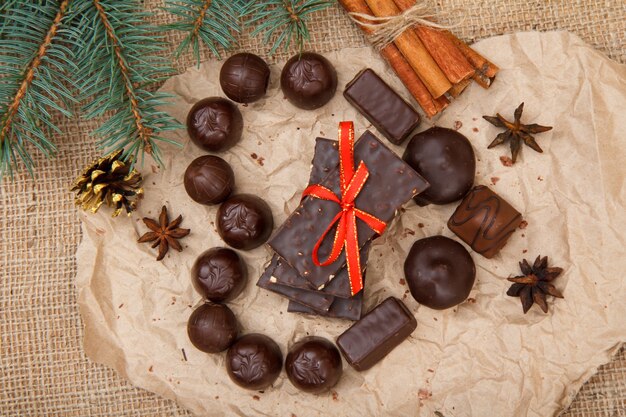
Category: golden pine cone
[109,180]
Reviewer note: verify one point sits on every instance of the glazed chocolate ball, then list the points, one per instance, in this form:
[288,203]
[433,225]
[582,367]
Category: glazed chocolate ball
[308,81]
[209,180]
[219,274]
[244,77]
[440,272]
[254,361]
[214,124]
[445,158]
[313,365]
[212,328]
[244,221]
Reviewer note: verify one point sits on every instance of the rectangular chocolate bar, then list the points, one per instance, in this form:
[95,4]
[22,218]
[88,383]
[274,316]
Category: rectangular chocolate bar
[316,300]
[382,106]
[391,184]
[342,308]
[372,338]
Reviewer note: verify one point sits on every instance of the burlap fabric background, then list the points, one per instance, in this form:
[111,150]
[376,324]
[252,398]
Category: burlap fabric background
[43,369]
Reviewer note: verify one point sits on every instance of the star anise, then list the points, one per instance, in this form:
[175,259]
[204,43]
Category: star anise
[534,285]
[516,132]
[164,234]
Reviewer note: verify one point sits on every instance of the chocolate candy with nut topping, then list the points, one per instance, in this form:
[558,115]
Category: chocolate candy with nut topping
[212,328]
[391,184]
[308,80]
[382,106]
[445,158]
[313,365]
[219,274]
[440,272]
[244,221]
[485,221]
[209,180]
[254,361]
[215,124]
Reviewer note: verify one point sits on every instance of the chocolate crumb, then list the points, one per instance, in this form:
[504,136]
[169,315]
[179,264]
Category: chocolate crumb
[471,300]
[406,292]
[430,370]
[409,231]
[335,396]
[540,178]
[458,125]
[256,397]
[523,224]
[474,118]
[184,355]
[523,235]
[121,305]
[420,225]
[435,318]
[259,143]
[150,368]
[424,394]
[253,155]
[525,250]
[506,161]
[475,129]
[217,397]
[494,180]
[402,281]
[261,160]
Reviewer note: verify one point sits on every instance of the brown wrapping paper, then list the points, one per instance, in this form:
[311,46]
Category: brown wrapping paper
[483,357]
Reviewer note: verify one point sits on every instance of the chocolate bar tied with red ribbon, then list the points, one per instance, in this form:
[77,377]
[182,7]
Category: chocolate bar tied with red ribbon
[388,184]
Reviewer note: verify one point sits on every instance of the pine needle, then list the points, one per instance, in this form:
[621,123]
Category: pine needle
[33,51]
[120,60]
[207,22]
[283,21]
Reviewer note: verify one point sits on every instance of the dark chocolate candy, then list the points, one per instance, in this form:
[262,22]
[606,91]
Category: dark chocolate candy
[313,365]
[209,180]
[445,158]
[391,183]
[308,80]
[214,124]
[440,272]
[382,106]
[485,221]
[370,339]
[341,308]
[254,361]
[212,328]
[244,77]
[244,221]
[313,299]
[219,274]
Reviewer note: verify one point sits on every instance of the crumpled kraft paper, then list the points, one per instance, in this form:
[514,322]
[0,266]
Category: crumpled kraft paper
[483,357]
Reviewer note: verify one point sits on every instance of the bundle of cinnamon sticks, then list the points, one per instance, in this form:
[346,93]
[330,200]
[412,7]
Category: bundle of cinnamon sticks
[433,64]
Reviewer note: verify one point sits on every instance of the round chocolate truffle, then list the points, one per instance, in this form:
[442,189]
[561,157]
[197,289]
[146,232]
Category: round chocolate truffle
[445,158]
[244,77]
[308,80]
[214,124]
[313,365]
[254,361]
[212,328]
[244,221]
[440,272]
[219,274]
[209,180]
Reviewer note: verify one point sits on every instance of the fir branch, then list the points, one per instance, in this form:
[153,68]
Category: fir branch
[285,20]
[33,60]
[120,61]
[208,22]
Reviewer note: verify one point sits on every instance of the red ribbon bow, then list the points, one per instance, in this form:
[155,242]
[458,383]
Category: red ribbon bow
[351,183]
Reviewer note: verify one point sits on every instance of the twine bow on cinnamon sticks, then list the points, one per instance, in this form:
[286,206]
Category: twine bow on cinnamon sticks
[433,64]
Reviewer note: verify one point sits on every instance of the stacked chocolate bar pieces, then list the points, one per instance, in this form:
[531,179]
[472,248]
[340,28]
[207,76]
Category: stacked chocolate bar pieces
[325,290]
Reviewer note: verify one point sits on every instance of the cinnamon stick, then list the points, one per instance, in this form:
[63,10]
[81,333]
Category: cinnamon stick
[414,51]
[485,70]
[401,67]
[445,53]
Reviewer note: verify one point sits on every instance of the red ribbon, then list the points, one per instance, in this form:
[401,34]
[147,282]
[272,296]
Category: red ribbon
[351,183]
